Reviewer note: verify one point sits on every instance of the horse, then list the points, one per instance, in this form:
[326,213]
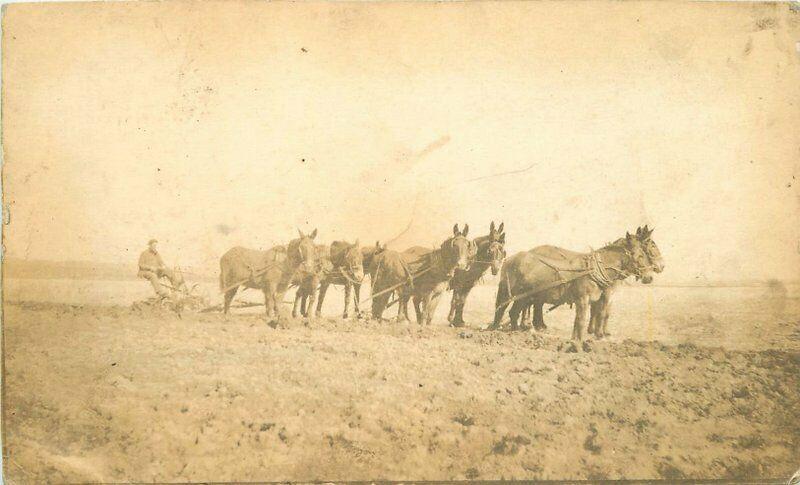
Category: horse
[347,269]
[601,309]
[307,283]
[423,279]
[490,253]
[535,277]
[270,271]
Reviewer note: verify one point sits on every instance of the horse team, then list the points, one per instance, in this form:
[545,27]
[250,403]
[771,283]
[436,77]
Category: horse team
[420,275]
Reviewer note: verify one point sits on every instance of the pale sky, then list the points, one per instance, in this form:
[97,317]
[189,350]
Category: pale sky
[210,125]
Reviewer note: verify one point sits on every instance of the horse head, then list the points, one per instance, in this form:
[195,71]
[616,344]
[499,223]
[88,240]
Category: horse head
[457,250]
[638,262]
[354,261]
[368,253]
[645,236]
[302,252]
[493,248]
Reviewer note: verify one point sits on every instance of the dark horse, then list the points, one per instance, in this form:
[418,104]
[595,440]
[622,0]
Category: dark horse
[270,271]
[307,283]
[600,310]
[490,252]
[423,279]
[347,269]
[548,274]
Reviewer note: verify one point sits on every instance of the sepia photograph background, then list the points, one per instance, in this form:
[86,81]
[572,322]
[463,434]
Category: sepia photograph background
[209,125]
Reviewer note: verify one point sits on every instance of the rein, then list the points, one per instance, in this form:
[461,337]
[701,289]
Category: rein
[596,270]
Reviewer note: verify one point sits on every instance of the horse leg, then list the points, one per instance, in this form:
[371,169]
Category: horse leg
[323,289]
[538,315]
[298,295]
[418,310]
[458,317]
[581,313]
[452,314]
[402,296]
[408,297]
[379,305]
[501,303]
[433,302]
[228,299]
[269,296]
[278,294]
[594,317]
[526,315]
[605,312]
[516,309]
[311,294]
[460,309]
[356,297]
[426,302]
[347,290]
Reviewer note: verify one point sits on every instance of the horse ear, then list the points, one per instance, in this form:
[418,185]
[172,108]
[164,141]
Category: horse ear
[502,239]
[465,231]
[628,236]
[313,233]
[500,229]
[455,230]
[378,244]
[300,233]
[357,243]
[491,228]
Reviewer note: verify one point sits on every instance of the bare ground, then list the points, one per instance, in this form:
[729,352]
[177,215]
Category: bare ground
[110,394]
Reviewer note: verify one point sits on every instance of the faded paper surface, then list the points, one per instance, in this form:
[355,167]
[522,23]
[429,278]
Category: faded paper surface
[219,124]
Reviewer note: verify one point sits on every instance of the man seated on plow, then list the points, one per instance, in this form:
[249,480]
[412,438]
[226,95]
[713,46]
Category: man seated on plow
[152,268]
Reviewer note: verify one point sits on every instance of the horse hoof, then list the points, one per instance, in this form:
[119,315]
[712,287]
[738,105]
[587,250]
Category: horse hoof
[571,347]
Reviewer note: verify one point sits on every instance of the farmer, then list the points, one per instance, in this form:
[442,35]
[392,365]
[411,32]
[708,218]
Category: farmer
[152,268]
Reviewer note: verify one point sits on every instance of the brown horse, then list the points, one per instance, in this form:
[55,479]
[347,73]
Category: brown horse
[548,274]
[270,271]
[490,253]
[423,279]
[347,269]
[601,309]
[307,283]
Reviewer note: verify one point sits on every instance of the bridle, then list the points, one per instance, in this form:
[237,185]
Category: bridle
[350,273]
[300,261]
[493,250]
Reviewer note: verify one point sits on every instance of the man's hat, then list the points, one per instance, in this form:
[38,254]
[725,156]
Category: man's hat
[152,241]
